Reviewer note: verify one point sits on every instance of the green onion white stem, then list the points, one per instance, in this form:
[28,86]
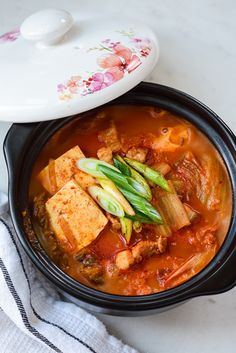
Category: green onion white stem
[126,228]
[91,166]
[106,201]
[109,186]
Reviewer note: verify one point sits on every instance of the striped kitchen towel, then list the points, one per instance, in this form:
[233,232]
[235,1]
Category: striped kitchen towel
[33,318]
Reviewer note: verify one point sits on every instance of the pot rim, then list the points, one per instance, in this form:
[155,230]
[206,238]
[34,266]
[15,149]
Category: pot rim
[188,289]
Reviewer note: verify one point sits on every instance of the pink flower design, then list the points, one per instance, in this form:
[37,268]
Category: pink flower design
[120,61]
[73,84]
[113,44]
[61,87]
[136,40]
[145,51]
[100,80]
[140,42]
[143,44]
[114,65]
[10,36]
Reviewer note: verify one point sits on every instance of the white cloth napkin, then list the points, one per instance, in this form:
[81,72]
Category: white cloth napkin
[33,318]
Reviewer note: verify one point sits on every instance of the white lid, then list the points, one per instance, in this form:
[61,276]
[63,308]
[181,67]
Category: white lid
[55,65]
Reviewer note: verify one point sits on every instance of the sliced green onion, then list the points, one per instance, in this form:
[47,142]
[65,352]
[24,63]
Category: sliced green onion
[90,166]
[138,177]
[106,201]
[149,173]
[126,228]
[123,181]
[140,217]
[142,205]
[109,186]
[123,167]
[139,188]
[118,178]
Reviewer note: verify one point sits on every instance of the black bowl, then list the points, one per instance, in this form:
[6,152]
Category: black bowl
[22,146]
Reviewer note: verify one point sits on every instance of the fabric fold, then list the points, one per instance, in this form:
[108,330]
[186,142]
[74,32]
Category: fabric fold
[31,306]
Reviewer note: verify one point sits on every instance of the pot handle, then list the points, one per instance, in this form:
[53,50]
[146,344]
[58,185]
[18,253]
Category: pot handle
[15,143]
[223,280]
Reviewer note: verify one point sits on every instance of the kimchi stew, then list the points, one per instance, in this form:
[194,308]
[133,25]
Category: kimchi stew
[130,200]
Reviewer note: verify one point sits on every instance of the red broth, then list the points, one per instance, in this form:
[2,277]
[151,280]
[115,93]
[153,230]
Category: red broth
[190,248]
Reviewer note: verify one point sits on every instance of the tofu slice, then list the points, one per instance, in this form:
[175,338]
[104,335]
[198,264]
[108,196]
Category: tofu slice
[74,217]
[59,171]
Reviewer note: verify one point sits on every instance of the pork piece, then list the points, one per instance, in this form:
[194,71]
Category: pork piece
[143,249]
[137,153]
[105,154]
[89,266]
[162,244]
[74,217]
[170,140]
[124,259]
[59,171]
[146,248]
[115,222]
[110,138]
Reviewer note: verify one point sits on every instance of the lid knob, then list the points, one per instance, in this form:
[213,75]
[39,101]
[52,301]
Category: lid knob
[46,27]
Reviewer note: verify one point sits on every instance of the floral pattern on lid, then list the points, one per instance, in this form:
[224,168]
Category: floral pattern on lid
[10,36]
[99,59]
[116,62]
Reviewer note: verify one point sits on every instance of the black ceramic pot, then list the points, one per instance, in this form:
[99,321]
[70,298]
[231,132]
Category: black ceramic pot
[22,146]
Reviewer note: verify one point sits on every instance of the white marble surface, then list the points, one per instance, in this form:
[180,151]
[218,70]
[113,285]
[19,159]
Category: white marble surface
[198,55]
